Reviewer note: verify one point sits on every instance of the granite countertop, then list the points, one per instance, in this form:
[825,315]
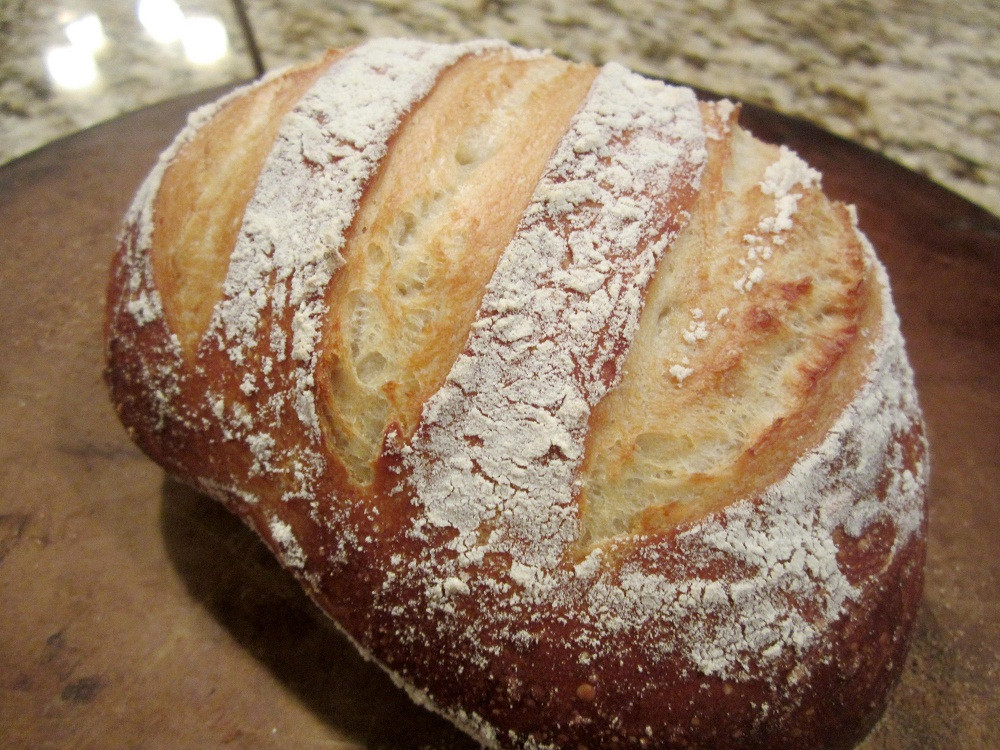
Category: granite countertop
[918,82]
[50,86]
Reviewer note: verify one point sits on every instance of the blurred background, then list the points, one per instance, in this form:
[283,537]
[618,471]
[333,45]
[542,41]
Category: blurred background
[916,80]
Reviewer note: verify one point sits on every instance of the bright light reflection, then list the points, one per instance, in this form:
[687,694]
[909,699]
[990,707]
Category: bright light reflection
[87,33]
[162,19]
[204,39]
[71,67]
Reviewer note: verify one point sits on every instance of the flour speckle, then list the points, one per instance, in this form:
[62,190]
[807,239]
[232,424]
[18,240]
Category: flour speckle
[563,298]
[780,179]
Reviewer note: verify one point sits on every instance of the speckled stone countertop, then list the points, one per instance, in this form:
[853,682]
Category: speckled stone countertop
[918,81]
[51,86]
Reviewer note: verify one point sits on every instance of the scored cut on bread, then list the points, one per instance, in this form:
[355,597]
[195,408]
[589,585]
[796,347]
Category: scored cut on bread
[581,411]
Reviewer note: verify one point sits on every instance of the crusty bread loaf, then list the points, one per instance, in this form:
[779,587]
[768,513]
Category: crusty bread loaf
[582,412]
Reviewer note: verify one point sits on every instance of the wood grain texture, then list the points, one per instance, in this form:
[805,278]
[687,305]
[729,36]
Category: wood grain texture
[138,613]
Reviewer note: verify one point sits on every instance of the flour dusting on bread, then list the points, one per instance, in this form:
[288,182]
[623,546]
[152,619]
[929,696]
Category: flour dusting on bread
[295,225]
[470,562]
[780,179]
[502,439]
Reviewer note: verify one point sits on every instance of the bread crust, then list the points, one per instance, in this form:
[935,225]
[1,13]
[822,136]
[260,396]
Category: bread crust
[772,610]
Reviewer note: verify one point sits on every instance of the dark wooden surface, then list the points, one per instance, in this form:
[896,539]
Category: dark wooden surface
[136,613]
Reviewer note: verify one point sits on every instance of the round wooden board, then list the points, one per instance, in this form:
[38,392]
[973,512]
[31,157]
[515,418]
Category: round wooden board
[137,613]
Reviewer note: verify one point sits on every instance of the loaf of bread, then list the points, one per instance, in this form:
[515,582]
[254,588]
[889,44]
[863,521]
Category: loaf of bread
[582,412]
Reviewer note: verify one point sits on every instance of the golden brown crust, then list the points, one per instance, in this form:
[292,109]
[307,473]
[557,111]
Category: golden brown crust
[427,237]
[742,562]
[769,369]
[208,185]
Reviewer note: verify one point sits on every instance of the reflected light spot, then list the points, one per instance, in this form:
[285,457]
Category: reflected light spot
[162,19]
[204,39]
[71,67]
[87,33]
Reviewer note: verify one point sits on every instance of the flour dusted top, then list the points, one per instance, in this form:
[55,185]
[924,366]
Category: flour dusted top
[294,227]
[502,440]
[456,569]
[142,302]
[496,457]
[783,582]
